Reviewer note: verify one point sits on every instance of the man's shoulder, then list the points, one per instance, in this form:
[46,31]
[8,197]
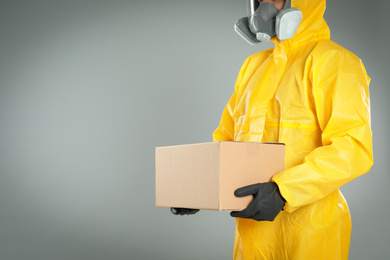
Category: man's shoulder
[328,49]
[261,55]
[256,59]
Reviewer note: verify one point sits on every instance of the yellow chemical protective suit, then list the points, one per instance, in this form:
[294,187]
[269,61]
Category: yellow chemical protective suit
[311,94]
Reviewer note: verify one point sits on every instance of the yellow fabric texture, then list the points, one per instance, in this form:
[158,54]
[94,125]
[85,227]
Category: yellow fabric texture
[311,94]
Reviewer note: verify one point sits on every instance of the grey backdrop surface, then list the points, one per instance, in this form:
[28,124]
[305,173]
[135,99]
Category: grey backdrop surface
[88,89]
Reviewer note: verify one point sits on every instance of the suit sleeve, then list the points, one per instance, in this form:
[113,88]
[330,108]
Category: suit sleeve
[225,129]
[341,97]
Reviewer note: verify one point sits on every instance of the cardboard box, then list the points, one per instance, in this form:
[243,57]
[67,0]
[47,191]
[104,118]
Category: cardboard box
[205,176]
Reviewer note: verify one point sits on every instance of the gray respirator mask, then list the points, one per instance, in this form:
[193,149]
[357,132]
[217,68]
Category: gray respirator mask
[264,22]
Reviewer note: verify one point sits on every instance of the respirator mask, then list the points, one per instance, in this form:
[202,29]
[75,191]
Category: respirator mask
[264,21]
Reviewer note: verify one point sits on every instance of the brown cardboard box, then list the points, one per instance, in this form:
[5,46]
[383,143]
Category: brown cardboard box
[205,176]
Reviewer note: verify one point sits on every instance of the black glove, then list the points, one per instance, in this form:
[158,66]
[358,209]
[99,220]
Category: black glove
[183,211]
[266,204]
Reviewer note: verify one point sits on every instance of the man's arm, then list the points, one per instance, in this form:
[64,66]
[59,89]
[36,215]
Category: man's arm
[340,91]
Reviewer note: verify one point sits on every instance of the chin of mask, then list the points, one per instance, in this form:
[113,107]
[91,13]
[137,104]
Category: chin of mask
[264,21]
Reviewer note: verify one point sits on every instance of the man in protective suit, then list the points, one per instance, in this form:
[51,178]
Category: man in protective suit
[311,94]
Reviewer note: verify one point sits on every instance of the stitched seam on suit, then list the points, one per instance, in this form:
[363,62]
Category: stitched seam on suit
[292,125]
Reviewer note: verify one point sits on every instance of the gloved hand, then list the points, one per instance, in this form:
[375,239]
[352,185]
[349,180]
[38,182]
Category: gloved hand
[183,211]
[266,204]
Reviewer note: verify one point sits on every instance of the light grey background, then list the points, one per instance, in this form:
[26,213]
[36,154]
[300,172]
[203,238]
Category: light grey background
[88,89]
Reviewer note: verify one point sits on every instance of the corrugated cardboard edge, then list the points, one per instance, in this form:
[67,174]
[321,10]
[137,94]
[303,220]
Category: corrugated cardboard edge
[155,176]
[219,177]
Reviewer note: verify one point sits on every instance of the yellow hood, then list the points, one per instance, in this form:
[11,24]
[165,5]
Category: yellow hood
[313,26]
